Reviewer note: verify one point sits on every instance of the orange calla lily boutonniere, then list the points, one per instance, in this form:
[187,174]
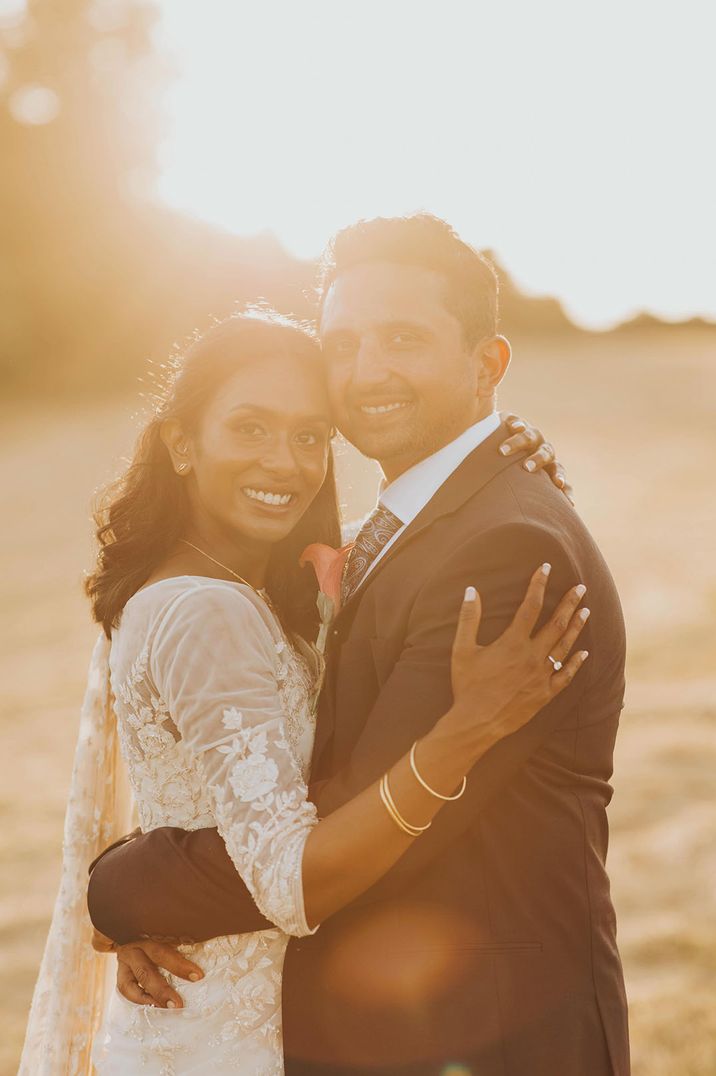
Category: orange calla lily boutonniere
[328,564]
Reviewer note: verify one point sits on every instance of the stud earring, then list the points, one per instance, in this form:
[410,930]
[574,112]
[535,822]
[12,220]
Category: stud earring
[182,468]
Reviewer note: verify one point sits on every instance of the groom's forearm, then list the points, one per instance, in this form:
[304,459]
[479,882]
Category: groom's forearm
[171,883]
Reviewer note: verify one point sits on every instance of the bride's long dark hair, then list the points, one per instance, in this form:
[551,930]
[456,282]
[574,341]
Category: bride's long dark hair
[142,514]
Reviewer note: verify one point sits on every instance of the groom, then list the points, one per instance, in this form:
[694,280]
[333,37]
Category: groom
[490,948]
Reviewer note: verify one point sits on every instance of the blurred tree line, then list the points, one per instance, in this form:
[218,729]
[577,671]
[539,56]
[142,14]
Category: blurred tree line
[96,277]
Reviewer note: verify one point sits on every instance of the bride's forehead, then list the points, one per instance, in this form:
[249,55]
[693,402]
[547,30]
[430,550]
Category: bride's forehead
[285,386]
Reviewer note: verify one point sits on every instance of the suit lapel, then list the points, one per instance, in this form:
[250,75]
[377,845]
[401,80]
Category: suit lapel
[475,471]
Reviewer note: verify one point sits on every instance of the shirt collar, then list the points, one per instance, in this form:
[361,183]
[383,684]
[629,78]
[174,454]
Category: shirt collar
[408,494]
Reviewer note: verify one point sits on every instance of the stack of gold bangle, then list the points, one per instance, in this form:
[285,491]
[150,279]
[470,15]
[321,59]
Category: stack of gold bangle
[389,802]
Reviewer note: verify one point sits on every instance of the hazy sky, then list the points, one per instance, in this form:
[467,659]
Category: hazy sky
[576,139]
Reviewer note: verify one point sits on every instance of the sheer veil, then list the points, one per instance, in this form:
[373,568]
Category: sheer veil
[69,997]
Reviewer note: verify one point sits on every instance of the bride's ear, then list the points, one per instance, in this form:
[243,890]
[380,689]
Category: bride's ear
[176,445]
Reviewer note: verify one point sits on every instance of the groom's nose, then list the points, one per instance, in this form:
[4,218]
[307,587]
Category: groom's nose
[369,366]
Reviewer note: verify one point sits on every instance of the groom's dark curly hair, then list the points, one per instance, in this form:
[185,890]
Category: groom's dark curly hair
[426,241]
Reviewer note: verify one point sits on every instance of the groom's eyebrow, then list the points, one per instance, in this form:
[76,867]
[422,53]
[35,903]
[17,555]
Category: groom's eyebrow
[406,324]
[388,326]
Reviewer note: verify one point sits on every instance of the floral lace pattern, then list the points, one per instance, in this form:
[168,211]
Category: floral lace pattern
[215,718]
[167,785]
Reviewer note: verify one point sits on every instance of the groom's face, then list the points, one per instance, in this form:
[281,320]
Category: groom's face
[402,380]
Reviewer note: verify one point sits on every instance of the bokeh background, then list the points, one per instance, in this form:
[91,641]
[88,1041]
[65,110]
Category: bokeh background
[162,161]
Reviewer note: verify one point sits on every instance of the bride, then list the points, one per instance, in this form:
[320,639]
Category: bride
[206,676]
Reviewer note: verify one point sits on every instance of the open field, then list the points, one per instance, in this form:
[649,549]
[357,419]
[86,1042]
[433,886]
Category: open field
[632,415]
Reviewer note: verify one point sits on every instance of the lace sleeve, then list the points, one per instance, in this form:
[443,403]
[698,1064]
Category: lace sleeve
[213,660]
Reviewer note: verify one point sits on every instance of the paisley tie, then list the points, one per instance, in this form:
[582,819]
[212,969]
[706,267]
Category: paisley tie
[378,529]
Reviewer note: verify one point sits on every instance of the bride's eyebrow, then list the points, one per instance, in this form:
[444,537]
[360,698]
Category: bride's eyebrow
[267,412]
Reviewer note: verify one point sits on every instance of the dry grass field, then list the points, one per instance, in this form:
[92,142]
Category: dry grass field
[633,417]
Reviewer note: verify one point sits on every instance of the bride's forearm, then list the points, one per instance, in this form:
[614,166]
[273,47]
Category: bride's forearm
[356,845]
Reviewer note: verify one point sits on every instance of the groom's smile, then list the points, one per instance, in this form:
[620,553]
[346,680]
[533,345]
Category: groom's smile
[379,412]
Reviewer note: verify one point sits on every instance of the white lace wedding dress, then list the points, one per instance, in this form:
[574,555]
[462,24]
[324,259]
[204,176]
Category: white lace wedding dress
[214,709]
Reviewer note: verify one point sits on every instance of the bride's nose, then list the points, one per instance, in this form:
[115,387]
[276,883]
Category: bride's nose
[279,459]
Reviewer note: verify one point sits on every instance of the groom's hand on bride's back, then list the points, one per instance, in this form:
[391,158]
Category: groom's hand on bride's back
[139,978]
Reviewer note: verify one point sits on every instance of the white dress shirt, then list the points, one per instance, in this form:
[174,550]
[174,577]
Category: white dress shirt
[408,494]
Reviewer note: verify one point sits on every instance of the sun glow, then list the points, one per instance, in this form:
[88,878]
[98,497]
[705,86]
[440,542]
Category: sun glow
[572,140]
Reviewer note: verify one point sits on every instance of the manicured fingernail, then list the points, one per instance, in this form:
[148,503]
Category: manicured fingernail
[584,614]
[171,1004]
[518,425]
[470,594]
[530,465]
[580,591]
[505,450]
[585,655]
[546,568]
[194,976]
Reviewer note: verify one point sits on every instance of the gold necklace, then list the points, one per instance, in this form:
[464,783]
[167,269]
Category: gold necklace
[226,568]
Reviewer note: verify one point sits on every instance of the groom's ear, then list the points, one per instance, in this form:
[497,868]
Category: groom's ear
[493,356]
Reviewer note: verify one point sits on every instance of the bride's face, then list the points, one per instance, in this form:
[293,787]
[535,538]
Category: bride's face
[260,453]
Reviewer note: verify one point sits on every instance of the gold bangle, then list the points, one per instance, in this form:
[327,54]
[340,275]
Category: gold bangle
[426,786]
[400,823]
[389,804]
[392,813]
[410,825]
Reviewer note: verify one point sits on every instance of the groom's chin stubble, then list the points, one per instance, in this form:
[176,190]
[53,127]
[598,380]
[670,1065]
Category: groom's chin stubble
[387,444]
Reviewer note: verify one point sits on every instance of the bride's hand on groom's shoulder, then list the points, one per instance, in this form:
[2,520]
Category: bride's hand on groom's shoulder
[139,978]
[541,454]
[499,687]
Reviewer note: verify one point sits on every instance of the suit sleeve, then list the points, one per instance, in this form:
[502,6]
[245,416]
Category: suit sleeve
[418,690]
[171,883]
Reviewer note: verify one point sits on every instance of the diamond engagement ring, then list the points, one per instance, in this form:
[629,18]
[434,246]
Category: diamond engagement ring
[557,664]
